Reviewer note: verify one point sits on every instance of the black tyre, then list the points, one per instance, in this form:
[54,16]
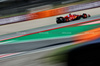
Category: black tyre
[78,17]
[60,20]
[84,16]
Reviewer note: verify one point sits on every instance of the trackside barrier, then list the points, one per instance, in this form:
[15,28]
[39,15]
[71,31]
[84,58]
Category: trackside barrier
[13,19]
[63,10]
[83,6]
[49,13]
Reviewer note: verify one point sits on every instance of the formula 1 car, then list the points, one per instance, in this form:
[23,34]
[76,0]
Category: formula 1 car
[71,17]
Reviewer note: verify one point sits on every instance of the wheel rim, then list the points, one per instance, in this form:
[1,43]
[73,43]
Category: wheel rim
[85,16]
[67,20]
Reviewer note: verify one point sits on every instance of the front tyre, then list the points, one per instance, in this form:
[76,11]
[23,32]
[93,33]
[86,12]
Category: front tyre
[84,16]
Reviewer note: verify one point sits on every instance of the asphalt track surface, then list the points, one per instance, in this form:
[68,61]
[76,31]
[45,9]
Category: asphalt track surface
[33,45]
[32,59]
[46,27]
[29,60]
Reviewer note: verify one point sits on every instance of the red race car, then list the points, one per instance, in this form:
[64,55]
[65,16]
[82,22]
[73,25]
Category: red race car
[71,17]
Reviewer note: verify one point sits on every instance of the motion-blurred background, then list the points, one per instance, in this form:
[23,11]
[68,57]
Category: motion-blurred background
[30,36]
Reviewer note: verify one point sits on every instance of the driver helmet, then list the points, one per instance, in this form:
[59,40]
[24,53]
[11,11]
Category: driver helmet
[69,14]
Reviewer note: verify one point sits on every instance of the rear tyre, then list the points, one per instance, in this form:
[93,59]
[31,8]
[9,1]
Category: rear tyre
[67,19]
[60,20]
